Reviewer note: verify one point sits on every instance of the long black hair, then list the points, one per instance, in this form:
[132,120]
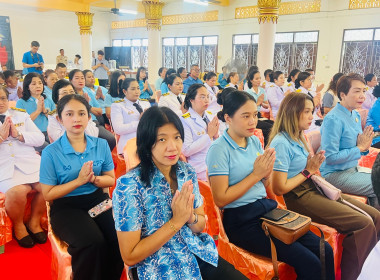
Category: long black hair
[27,81]
[250,77]
[73,72]
[138,74]
[233,102]
[146,137]
[115,85]
[191,94]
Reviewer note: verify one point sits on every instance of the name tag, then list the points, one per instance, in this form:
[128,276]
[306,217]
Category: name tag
[130,112]
[19,124]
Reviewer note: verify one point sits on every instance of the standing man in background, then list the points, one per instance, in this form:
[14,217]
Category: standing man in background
[61,58]
[100,67]
[33,61]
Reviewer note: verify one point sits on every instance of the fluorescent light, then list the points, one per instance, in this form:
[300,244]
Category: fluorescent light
[196,2]
[123,11]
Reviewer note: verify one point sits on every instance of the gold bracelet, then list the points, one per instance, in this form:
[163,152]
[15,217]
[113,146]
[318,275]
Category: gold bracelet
[173,227]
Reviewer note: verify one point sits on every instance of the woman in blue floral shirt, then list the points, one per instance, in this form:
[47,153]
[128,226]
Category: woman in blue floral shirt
[158,209]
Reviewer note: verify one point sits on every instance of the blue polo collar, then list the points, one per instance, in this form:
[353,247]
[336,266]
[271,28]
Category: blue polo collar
[343,109]
[233,144]
[68,149]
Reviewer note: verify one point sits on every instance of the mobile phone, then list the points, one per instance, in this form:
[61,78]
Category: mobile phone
[100,208]
[276,214]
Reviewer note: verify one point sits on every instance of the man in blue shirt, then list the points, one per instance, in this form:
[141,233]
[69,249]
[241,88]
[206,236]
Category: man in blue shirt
[193,78]
[33,61]
[222,78]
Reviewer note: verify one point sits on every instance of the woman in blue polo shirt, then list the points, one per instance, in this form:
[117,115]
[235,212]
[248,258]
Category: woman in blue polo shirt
[373,117]
[291,178]
[36,104]
[76,170]
[142,79]
[239,171]
[158,209]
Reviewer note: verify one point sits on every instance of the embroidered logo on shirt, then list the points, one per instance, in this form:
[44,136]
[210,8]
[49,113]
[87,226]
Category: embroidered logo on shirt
[97,162]
[130,112]
[185,116]
[67,167]
[357,120]
[215,166]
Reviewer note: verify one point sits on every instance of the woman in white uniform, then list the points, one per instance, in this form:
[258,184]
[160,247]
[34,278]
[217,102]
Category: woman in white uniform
[201,128]
[126,113]
[55,129]
[275,92]
[19,173]
[293,75]
[303,84]
[210,81]
[175,97]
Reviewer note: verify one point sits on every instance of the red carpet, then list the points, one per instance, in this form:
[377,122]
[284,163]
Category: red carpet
[20,263]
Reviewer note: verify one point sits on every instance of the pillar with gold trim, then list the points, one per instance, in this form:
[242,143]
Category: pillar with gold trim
[153,16]
[268,17]
[85,24]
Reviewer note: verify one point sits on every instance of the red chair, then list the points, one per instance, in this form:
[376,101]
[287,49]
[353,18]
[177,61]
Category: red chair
[259,134]
[5,225]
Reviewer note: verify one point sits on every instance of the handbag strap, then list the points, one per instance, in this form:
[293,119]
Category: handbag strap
[322,254]
[356,208]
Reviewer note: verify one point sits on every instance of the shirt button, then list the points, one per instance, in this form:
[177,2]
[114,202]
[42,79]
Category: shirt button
[12,155]
[10,144]
[81,157]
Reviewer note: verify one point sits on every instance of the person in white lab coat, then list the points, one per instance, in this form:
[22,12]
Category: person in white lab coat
[201,128]
[19,172]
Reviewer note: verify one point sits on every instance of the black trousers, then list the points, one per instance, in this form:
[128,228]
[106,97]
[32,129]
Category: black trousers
[243,228]
[224,271]
[105,134]
[92,242]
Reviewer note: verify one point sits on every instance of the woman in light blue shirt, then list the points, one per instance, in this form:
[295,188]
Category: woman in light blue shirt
[50,78]
[345,142]
[158,209]
[36,104]
[239,171]
[76,170]
[291,178]
[142,79]
[373,118]
[164,86]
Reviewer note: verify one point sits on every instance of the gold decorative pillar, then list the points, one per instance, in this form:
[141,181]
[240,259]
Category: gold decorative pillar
[153,16]
[268,17]
[85,24]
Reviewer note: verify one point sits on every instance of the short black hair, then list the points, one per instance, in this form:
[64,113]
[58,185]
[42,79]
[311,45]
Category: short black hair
[57,86]
[170,79]
[209,76]
[35,44]
[233,102]
[309,70]
[160,70]
[368,77]
[6,91]
[250,76]
[85,72]
[8,74]
[73,72]
[376,91]
[167,74]
[267,72]
[146,137]
[293,73]
[60,65]
[100,52]
[191,94]
[61,50]
[67,98]
[301,77]
[274,75]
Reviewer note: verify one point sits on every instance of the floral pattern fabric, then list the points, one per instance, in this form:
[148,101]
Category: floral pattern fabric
[147,208]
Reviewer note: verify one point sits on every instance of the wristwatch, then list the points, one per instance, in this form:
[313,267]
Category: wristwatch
[306,173]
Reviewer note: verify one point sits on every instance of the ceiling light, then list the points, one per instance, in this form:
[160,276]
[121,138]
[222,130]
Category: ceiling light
[196,2]
[124,11]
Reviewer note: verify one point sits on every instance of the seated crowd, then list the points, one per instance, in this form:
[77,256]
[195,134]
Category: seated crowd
[59,137]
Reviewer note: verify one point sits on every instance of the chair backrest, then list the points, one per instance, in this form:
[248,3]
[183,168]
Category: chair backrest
[259,134]
[130,152]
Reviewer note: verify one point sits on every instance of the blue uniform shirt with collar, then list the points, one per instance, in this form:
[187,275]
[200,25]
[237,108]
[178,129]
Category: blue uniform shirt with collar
[190,81]
[255,95]
[164,88]
[31,58]
[339,133]
[48,92]
[373,119]
[138,206]
[226,158]
[222,82]
[291,156]
[147,93]
[62,164]
[30,106]
[100,102]
[109,100]
[93,102]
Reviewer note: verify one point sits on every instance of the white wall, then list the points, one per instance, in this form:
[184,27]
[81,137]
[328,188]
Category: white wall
[334,18]
[53,30]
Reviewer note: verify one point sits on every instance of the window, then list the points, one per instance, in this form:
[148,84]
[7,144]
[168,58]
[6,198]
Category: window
[185,51]
[292,50]
[139,51]
[361,51]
